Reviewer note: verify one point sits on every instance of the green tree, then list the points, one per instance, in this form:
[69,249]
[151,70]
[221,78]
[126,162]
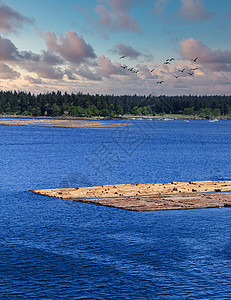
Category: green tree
[119,110]
[188,111]
[89,112]
[135,110]
[95,111]
[104,112]
[216,112]
[36,111]
[229,110]
[145,111]
[55,111]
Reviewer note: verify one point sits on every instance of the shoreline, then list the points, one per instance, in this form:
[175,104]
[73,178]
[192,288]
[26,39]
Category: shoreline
[122,117]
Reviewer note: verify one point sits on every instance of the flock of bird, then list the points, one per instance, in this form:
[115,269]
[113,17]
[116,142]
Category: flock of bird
[167,62]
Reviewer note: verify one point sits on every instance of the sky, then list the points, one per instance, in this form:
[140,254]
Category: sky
[143,47]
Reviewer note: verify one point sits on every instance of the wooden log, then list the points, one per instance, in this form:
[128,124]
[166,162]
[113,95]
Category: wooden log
[141,197]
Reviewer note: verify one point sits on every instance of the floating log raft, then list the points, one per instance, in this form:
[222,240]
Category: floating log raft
[148,197]
[58,122]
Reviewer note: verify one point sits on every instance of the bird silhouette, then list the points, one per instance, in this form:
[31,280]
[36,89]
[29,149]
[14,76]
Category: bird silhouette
[191,73]
[170,59]
[182,70]
[195,59]
[159,82]
[166,62]
[193,69]
[176,76]
[152,70]
[125,67]
[123,56]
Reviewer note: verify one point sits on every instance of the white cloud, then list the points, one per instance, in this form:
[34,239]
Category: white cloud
[33,80]
[88,74]
[6,72]
[116,16]
[160,7]
[11,20]
[194,10]
[72,48]
[128,51]
[217,61]
[107,68]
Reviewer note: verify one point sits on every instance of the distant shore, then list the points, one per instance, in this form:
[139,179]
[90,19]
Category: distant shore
[122,117]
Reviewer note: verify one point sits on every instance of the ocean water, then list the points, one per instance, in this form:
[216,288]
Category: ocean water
[56,249]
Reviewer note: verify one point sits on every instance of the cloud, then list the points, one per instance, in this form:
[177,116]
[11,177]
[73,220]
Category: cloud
[216,61]
[113,15]
[81,9]
[69,74]
[43,70]
[119,5]
[9,52]
[194,10]
[29,55]
[38,31]
[6,72]
[85,72]
[90,21]
[73,48]
[160,7]
[42,65]
[146,72]
[103,68]
[116,16]
[128,51]
[11,20]
[191,10]
[51,58]
[107,68]
[33,80]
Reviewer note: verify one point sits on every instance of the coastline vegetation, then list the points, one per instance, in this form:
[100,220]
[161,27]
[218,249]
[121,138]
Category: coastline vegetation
[56,104]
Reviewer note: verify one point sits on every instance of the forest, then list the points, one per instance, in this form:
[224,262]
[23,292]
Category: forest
[56,104]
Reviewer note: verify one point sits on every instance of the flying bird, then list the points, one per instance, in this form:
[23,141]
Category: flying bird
[166,62]
[122,56]
[193,69]
[170,59]
[191,73]
[176,76]
[195,59]
[125,67]
[159,82]
[182,70]
[152,70]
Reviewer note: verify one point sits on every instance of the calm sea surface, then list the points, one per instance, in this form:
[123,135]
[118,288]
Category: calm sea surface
[56,249]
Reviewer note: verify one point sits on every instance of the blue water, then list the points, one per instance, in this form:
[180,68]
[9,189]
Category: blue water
[56,249]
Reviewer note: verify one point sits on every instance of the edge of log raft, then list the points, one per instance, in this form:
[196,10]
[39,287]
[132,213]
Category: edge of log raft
[150,197]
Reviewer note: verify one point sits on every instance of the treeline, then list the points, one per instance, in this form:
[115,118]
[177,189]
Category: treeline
[80,105]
